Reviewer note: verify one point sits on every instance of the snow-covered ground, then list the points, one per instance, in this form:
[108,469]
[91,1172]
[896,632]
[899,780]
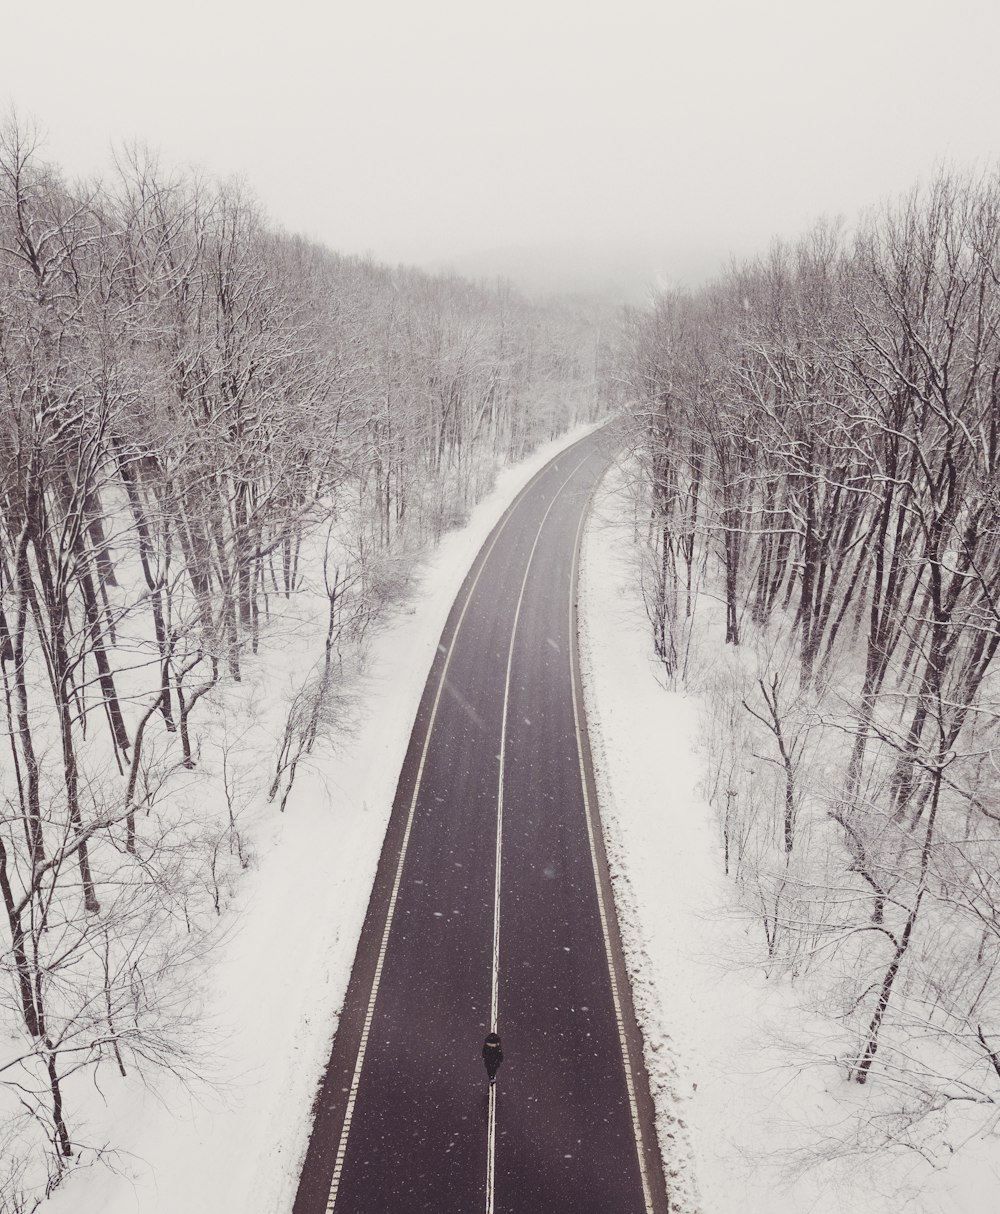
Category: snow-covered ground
[234,1144]
[739,1115]
[736,1112]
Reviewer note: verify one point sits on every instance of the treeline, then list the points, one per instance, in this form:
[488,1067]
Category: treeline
[816,437]
[199,417]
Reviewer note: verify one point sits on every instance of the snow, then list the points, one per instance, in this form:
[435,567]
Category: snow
[747,1119]
[234,1143]
[737,1111]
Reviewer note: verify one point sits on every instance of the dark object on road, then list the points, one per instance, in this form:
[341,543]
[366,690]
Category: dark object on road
[492,1056]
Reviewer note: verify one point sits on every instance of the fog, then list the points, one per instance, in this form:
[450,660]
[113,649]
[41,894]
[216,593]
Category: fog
[602,144]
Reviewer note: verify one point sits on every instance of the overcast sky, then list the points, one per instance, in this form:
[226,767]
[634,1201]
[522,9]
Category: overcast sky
[650,139]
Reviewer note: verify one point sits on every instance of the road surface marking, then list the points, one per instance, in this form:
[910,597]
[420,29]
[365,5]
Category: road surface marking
[573,659]
[491,1133]
[491,1152]
[370,1010]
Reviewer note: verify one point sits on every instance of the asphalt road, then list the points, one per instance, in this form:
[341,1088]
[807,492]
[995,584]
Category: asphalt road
[496,780]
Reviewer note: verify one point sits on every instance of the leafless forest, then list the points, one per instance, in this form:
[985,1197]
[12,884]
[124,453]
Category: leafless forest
[815,438]
[205,419]
[200,415]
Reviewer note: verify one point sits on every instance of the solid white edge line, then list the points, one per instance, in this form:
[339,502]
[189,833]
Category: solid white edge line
[369,1013]
[491,1149]
[495,984]
[588,813]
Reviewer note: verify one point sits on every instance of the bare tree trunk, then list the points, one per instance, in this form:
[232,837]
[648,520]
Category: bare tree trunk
[17,937]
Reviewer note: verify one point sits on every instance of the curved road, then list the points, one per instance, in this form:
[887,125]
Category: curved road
[492,908]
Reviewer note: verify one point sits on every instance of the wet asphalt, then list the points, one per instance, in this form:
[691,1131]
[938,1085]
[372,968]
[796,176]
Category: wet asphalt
[565,1136]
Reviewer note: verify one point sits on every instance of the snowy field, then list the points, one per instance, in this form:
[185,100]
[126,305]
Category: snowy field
[744,1124]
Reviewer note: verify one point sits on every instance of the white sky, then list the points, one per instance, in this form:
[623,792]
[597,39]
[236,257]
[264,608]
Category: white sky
[655,137]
